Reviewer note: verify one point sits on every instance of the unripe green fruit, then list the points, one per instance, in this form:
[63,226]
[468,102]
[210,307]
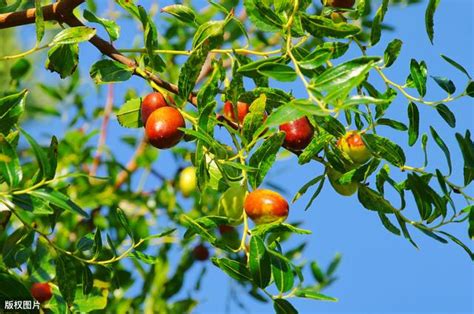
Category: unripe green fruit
[266,206]
[187,181]
[231,204]
[41,291]
[343,189]
[162,127]
[351,144]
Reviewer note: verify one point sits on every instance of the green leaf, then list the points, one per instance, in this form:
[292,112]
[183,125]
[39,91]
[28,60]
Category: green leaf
[144,257]
[425,197]
[419,74]
[58,199]
[443,147]
[45,170]
[470,210]
[282,274]
[403,226]
[282,306]
[429,20]
[262,16]
[317,272]
[338,81]
[388,224]
[191,69]
[275,97]
[73,35]
[456,65]
[63,59]
[113,30]
[109,71]
[259,262]
[392,51]
[86,303]
[39,21]
[11,108]
[314,147]
[279,72]
[458,242]
[467,149]
[209,33]
[255,118]
[316,58]
[470,89]
[150,38]
[97,248]
[130,7]
[315,194]
[384,148]
[372,200]
[414,123]
[66,277]
[393,124]
[312,294]
[319,26]
[334,264]
[198,228]
[19,69]
[210,88]
[10,168]
[306,186]
[129,115]
[277,227]
[264,157]
[446,114]
[250,69]
[12,288]
[377,23]
[183,13]
[234,269]
[445,84]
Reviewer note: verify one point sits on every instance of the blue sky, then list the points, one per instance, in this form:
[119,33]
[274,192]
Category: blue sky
[379,273]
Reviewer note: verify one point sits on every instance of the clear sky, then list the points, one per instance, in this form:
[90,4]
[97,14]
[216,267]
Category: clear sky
[380,272]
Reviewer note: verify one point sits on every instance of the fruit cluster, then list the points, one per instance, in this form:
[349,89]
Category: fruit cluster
[162,122]
[162,125]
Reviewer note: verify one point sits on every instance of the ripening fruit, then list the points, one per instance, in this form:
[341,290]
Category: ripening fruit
[347,4]
[351,144]
[162,127]
[200,252]
[343,189]
[266,206]
[242,111]
[299,134]
[41,291]
[187,181]
[150,103]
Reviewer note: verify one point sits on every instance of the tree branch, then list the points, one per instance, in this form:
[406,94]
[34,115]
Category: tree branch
[62,12]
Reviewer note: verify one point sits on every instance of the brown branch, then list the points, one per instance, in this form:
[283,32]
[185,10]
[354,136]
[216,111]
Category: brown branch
[109,104]
[62,12]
